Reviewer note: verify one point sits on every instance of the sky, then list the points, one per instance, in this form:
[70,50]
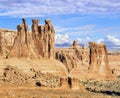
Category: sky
[81,20]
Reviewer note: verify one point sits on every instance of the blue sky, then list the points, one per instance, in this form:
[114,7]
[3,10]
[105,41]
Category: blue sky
[82,20]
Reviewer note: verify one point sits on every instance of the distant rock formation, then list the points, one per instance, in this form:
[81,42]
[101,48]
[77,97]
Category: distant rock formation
[70,56]
[81,52]
[68,60]
[99,60]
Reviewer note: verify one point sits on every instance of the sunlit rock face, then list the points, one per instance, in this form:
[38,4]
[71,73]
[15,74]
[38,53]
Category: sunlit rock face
[38,44]
[99,60]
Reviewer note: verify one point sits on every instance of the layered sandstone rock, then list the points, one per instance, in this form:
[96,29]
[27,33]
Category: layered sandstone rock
[39,44]
[99,60]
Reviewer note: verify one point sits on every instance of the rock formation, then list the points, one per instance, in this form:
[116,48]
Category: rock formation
[14,76]
[8,37]
[69,82]
[82,53]
[68,60]
[20,45]
[43,37]
[64,82]
[70,56]
[43,70]
[99,60]
[39,44]
[0,44]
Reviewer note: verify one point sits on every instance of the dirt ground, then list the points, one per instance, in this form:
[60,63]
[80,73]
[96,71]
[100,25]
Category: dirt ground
[91,88]
[37,92]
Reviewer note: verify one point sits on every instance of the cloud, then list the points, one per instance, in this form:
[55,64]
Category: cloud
[113,40]
[80,30]
[84,41]
[64,39]
[100,40]
[36,8]
[61,39]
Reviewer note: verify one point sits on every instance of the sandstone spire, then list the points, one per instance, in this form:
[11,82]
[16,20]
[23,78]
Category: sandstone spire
[44,39]
[20,46]
[99,60]
[50,34]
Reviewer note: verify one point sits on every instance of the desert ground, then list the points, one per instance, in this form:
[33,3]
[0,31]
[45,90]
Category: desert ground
[89,88]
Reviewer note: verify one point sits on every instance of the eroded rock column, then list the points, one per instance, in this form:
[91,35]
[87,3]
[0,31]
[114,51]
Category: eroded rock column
[20,45]
[99,60]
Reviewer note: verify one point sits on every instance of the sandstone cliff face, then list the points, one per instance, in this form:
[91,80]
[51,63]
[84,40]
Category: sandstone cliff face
[99,60]
[7,37]
[6,41]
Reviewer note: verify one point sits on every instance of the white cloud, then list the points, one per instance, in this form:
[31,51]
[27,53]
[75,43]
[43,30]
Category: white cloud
[59,29]
[30,8]
[76,30]
[112,43]
[84,41]
[109,40]
[61,39]
[100,40]
[113,40]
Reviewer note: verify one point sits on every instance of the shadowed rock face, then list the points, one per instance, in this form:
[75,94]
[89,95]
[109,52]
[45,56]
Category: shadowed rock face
[39,44]
[99,60]
[70,82]
[68,60]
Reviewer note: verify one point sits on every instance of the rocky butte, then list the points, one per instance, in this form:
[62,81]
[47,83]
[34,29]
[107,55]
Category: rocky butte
[30,58]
